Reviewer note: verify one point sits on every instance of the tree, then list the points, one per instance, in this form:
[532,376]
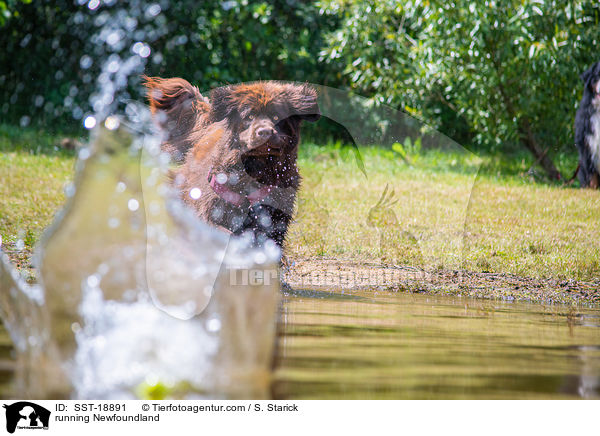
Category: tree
[7,9]
[53,50]
[508,68]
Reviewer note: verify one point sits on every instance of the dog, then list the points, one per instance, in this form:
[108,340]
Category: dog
[587,129]
[236,151]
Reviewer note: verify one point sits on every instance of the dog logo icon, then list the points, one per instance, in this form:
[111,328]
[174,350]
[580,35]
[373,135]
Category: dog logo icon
[26,415]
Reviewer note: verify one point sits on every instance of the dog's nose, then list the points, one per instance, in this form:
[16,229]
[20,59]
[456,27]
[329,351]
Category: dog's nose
[265,132]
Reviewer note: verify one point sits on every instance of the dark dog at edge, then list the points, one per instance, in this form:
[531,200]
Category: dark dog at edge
[587,129]
[236,151]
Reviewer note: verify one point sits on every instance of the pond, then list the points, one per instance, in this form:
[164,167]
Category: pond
[385,345]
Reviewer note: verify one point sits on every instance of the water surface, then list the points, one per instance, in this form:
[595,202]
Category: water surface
[368,345]
[383,345]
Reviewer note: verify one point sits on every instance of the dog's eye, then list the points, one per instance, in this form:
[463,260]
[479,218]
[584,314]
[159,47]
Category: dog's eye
[275,118]
[250,117]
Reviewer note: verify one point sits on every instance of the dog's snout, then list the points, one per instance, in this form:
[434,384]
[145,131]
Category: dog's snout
[265,132]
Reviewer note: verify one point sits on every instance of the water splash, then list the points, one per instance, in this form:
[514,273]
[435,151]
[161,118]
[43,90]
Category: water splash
[134,290]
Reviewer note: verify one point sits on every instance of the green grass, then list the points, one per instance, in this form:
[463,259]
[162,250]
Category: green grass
[449,212]
[33,172]
[448,209]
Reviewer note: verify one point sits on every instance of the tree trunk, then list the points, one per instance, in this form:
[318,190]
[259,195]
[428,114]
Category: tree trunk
[541,156]
[527,138]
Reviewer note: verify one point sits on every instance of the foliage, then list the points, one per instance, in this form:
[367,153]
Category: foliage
[508,68]
[7,9]
[490,74]
[54,51]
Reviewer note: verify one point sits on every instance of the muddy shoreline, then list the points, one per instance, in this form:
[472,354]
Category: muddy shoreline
[336,274]
[331,274]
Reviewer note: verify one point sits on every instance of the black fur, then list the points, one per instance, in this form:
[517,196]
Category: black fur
[588,171]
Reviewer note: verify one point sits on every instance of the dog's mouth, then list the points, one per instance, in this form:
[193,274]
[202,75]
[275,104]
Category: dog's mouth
[273,146]
[264,150]
[263,162]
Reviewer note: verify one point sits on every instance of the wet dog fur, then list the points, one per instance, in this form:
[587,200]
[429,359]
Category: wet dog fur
[236,151]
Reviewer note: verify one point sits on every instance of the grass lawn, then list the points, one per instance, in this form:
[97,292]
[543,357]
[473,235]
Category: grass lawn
[430,209]
[459,213]
[33,173]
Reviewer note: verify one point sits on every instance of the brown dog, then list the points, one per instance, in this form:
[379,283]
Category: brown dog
[237,150]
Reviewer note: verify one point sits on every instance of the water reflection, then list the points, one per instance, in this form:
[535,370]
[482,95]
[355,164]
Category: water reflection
[365,345]
[387,345]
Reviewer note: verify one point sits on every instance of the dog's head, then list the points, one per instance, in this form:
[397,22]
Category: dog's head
[591,78]
[265,116]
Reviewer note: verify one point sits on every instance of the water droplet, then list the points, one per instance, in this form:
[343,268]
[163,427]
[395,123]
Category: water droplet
[137,47]
[189,306]
[133,204]
[260,258]
[112,123]
[70,189]
[93,281]
[233,178]
[121,187]
[226,5]
[221,178]
[213,325]
[113,66]
[93,4]
[19,245]
[217,213]
[25,121]
[179,180]
[157,58]
[265,221]
[145,51]
[85,62]
[153,10]
[84,153]
[113,223]
[89,122]
[195,193]
[113,38]
[141,49]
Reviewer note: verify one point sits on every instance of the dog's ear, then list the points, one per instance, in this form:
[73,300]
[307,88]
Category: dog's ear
[221,103]
[177,106]
[169,94]
[303,101]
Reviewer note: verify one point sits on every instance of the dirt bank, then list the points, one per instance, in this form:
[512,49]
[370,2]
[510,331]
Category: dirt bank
[324,273]
[319,273]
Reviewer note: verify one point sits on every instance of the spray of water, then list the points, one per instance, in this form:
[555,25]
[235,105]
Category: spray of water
[134,291]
